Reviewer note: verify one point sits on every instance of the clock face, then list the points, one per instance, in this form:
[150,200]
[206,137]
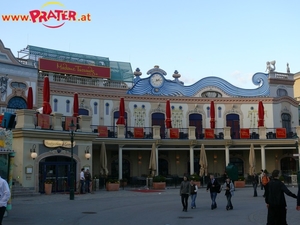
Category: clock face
[156,80]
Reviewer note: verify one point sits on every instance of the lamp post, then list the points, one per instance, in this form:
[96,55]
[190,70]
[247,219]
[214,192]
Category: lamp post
[72,128]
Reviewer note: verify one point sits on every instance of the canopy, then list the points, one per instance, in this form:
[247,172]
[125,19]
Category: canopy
[75,105]
[29,98]
[168,115]
[212,115]
[121,119]
[261,114]
[46,97]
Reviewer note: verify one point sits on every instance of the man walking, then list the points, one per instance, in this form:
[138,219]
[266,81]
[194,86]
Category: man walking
[82,179]
[275,200]
[4,197]
[185,190]
[213,186]
[255,183]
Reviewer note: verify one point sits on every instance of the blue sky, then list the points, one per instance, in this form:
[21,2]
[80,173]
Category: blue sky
[228,39]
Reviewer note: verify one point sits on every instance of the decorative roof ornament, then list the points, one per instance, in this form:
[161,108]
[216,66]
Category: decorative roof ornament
[288,68]
[137,72]
[271,66]
[176,74]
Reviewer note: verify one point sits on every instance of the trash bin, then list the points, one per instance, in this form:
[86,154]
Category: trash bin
[232,172]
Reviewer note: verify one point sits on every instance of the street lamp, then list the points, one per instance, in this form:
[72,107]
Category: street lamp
[72,128]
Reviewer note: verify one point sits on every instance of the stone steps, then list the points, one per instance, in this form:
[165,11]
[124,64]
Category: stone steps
[19,191]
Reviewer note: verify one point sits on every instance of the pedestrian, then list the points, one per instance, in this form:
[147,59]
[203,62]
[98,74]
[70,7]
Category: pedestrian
[185,190]
[82,181]
[264,180]
[255,183]
[275,200]
[225,176]
[213,186]
[260,179]
[193,193]
[229,191]
[88,179]
[4,197]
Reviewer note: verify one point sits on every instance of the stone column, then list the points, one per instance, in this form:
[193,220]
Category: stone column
[121,130]
[227,156]
[25,118]
[262,131]
[192,133]
[156,132]
[121,161]
[191,159]
[56,121]
[298,131]
[85,123]
[263,157]
[227,134]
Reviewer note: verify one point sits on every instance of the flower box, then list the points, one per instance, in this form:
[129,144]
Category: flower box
[239,184]
[112,186]
[159,185]
[48,189]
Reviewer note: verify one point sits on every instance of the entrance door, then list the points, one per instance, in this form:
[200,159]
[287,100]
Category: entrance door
[56,169]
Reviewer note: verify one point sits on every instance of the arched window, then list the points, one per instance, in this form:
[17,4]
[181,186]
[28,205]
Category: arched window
[55,105]
[195,119]
[107,108]
[208,111]
[68,106]
[286,121]
[233,121]
[95,107]
[219,112]
[17,103]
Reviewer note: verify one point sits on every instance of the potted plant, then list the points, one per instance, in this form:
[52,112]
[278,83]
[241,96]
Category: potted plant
[196,178]
[112,185]
[240,183]
[159,182]
[48,187]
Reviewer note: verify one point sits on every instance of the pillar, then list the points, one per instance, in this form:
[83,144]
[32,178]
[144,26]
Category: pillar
[25,118]
[262,131]
[85,123]
[227,156]
[192,133]
[263,157]
[56,121]
[191,159]
[227,134]
[120,162]
[121,130]
[156,132]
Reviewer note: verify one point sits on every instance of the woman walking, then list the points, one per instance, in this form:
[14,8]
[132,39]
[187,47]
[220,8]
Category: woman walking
[194,189]
[229,190]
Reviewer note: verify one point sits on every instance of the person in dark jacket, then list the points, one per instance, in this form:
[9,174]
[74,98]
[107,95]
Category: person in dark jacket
[255,181]
[185,190]
[275,200]
[213,186]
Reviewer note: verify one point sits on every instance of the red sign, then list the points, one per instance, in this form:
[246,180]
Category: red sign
[102,131]
[44,121]
[245,133]
[138,132]
[74,68]
[209,133]
[174,133]
[280,133]
[68,122]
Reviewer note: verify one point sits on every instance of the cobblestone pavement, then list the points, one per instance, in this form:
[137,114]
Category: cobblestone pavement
[151,208]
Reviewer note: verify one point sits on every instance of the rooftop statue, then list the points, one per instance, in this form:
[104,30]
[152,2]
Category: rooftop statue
[271,66]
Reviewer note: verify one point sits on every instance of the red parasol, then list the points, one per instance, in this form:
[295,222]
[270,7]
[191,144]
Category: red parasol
[75,105]
[168,115]
[212,115]
[29,98]
[261,114]
[46,96]
[121,119]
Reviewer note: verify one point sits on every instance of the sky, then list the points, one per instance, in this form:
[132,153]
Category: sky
[230,39]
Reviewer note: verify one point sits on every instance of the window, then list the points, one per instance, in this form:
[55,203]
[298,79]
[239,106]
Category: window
[281,92]
[17,103]
[18,85]
[107,108]
[68,106]
[286,122]
[208,111]
[95,107]
[55,105]
[219,112]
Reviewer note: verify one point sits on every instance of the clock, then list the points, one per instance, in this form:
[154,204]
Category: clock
[156,80]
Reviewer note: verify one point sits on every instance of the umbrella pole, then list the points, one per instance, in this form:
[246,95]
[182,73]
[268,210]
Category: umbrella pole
[203,180]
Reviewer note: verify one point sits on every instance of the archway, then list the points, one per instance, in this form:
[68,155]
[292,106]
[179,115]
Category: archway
[158,119]
[233,121]
[195,119]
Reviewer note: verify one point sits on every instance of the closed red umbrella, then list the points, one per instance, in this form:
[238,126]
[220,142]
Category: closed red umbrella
[46,96]
[261,114]
[121,119]
[212,115]
[75,105]
[168,115]
[29,98]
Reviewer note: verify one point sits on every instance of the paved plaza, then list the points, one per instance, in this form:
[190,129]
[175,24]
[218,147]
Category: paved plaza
[134,206]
